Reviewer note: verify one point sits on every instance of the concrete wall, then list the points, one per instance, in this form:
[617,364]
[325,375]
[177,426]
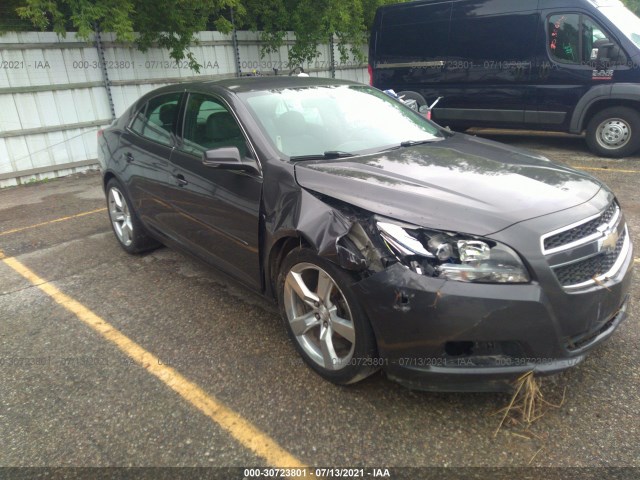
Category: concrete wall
[53,96]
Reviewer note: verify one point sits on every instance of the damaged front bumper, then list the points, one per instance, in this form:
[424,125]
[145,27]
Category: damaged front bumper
[442,335]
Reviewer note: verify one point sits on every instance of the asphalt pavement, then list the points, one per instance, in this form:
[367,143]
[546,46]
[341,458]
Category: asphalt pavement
[73,393]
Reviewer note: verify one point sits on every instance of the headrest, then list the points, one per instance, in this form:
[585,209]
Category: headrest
[291,123]
[168,113]
[222,126]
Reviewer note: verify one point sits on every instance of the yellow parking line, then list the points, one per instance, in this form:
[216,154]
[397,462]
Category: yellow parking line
[248,435]
[62,219]
[577,167]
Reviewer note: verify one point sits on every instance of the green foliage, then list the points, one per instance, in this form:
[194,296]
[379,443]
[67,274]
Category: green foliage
[169,23]
[633,5]
[172,23]
[10,21]
[313,22]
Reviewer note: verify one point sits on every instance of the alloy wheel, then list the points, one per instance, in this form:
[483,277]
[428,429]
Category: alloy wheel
[319,316]
[120,216]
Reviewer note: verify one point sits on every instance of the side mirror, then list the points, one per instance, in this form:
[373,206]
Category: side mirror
[603,52]
[227,158]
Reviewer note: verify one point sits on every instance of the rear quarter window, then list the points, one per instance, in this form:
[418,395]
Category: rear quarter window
[156,120]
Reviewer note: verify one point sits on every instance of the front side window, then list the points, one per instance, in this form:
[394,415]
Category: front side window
[577,39]
[157,118]
[208,125]
[564,38]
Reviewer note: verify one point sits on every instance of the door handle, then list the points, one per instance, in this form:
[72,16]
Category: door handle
[128,157]
[181,180]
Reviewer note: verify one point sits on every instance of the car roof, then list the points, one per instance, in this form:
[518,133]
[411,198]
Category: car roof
[250,84]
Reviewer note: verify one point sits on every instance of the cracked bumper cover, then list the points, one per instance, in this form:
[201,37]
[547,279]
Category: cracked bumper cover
[508,329]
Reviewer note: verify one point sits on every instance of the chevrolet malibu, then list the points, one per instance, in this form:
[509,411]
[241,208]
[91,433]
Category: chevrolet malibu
[448,261]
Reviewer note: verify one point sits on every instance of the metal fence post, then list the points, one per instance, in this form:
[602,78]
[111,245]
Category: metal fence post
[234,41]
[105,73]
[333,57]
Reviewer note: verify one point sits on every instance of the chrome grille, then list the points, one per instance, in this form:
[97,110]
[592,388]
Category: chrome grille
[593,267]
[584,253]
[581,231]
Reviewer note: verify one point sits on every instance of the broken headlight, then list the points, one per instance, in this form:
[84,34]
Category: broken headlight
[453,256]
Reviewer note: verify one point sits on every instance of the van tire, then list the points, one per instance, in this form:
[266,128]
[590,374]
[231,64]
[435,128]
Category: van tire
[409,95]
[614,132]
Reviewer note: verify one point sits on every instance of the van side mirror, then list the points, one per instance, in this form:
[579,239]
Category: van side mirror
[227,158]
[605,53]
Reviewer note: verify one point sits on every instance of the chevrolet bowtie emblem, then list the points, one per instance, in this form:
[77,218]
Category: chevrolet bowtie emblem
[609,241]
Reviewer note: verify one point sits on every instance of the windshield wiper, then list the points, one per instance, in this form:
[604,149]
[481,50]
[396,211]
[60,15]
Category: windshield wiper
[413,143]
[328,155]
[410,143]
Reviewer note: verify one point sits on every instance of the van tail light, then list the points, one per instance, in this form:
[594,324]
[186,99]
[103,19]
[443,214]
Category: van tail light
[429,115]
[100,132]
[370,70]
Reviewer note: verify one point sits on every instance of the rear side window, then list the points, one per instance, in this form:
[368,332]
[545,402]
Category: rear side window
[156,120]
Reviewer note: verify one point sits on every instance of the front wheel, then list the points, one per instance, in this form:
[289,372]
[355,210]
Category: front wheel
[323,318]
[614,132]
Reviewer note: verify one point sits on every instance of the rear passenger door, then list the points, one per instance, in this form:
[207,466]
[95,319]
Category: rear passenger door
[490,55]
[146,146]
[216,210]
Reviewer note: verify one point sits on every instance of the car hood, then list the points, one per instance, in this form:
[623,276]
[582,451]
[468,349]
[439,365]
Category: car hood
[463,184]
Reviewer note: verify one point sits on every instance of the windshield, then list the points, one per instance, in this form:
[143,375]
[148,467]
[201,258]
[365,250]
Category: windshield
[349,119]
[625,20]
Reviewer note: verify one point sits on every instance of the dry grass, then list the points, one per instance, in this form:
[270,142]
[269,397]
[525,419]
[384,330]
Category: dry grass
[526,406]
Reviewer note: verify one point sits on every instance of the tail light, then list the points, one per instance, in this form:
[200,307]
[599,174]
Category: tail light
[100,132]
[370,70]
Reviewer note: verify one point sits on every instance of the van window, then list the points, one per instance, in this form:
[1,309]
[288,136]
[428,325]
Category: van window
[577,39]
[564,38]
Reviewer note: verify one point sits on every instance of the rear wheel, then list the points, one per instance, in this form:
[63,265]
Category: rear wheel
[323,318]
[125,223]
[614,132]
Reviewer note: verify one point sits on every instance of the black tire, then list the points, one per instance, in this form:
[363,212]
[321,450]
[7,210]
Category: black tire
[337,311]
[409,95]
[614,132]
[126,225]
